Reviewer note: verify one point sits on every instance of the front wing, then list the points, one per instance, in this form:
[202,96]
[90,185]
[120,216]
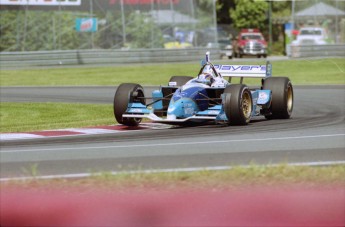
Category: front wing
[138,110]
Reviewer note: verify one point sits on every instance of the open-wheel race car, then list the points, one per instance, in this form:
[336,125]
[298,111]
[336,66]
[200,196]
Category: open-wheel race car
[208,97]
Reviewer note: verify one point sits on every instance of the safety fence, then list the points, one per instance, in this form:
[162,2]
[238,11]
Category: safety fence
[332,50]
[117,57]
[93,57]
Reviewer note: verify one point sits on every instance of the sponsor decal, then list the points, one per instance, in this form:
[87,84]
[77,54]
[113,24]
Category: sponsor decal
[239,68]
[213,112]
[188,108]
[264,97]
[173,83]
[42,2]
[86,24]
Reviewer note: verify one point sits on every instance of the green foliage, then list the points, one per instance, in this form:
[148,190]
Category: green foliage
[110,34]
[144,33]
[7,25]
[281,9]
[249,14]
[204,5]
[223,7]
[39,30]
[54,30]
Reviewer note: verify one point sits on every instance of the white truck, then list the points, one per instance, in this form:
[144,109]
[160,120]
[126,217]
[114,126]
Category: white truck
[311,36]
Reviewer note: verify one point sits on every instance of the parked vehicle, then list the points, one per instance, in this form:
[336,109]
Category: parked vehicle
[250,42]
[225,47]
[311,36]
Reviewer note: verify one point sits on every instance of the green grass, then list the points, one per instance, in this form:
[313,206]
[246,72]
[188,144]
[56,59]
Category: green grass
[142,74]
[19,117]
[239,176]
[306,72]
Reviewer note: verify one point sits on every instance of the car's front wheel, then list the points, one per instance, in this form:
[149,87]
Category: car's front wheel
[127,93]
[238,104]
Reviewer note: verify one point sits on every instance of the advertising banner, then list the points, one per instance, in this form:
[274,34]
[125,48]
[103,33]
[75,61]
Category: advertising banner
[86,24]
[288,38]
[42,2]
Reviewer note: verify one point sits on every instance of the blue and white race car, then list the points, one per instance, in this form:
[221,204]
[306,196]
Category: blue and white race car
[208,97]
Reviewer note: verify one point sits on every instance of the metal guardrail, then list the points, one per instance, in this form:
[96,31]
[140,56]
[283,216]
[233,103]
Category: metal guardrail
[92,57]
[117,57]
[331,50]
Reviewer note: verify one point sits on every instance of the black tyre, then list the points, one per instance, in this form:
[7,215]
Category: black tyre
[180,80]
[282,97]
[238,104]
[126,93]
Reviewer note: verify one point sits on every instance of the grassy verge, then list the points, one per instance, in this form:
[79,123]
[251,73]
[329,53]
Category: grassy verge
[254,175]
[237,176]
[321,71]
[19,117]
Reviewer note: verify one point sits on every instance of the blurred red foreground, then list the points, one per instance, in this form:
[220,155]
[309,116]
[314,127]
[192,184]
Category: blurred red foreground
[245,207]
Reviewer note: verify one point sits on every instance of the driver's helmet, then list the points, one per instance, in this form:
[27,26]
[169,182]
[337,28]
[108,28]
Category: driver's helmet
[205,78]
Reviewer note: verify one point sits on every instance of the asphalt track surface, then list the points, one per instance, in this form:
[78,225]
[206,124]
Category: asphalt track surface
[315,134]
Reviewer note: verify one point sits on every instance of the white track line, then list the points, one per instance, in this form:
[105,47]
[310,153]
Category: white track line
[194,169]
[175,144]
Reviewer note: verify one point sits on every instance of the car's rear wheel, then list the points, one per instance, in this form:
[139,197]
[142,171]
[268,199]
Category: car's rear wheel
[282,97]
[238,104]
[126,93]
[180,80]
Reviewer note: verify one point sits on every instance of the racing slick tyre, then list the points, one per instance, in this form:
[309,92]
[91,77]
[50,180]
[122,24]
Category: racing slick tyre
[126,93]
[180,80]
[238,104]
[282,97]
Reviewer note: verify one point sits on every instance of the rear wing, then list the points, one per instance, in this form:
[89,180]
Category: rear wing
[251,71]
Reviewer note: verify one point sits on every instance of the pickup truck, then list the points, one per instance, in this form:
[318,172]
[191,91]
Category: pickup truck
[311,36]
[250,42]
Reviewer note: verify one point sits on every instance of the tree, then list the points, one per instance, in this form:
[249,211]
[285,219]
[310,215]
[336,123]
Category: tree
[39,30]
[7,26]
[223,7]
[143,32]
[249,14]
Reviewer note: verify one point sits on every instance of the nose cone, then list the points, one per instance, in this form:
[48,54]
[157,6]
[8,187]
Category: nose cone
[182,108]
[185,103]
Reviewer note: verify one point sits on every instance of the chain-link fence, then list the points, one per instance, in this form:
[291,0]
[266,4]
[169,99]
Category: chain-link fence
[31,25]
